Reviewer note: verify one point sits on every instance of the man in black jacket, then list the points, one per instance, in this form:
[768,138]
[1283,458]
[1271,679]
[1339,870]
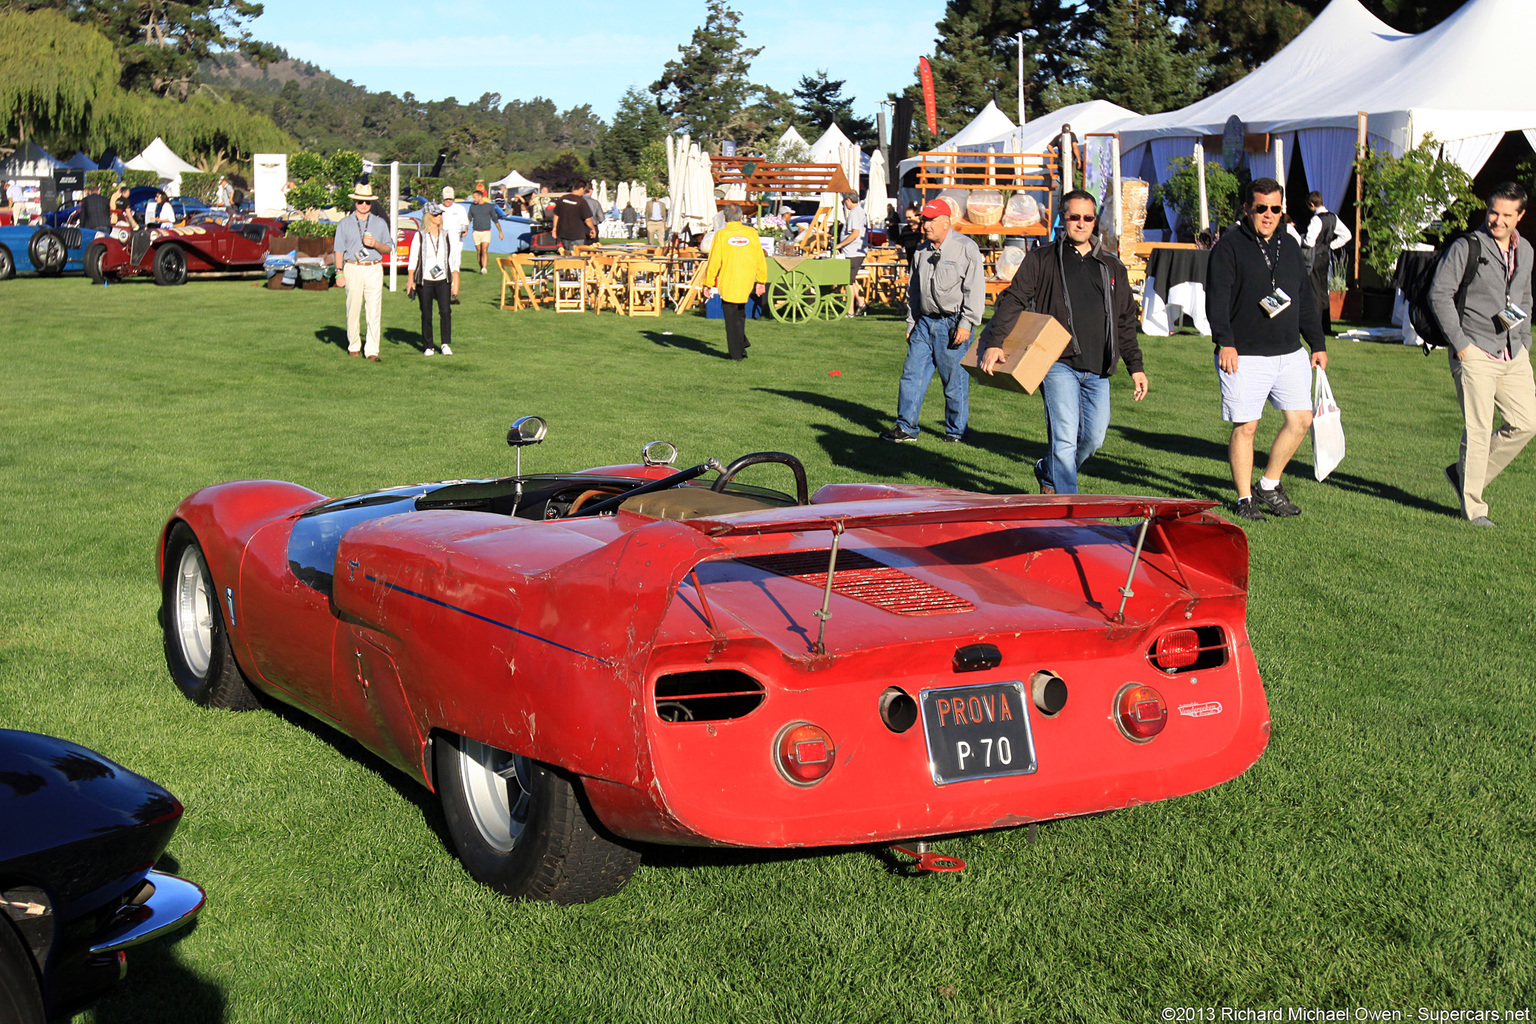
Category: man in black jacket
[1259,304]
[1084,287]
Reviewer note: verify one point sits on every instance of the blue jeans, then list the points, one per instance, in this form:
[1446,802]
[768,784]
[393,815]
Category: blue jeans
[1076,420]
[928,350]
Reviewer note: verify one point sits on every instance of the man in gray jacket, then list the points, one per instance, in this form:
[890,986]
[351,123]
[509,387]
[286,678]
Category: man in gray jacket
[1490,346]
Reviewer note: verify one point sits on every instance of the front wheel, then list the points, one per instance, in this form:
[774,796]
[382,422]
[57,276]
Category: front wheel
[21,1000]
[7,264]
[521,828]
[197,647]
[170,265]
[48,251]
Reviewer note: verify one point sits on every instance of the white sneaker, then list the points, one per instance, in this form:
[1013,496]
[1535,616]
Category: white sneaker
[482,270]
[430,352]
[447,350]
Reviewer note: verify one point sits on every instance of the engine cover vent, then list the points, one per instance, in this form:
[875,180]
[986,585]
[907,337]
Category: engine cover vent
[863,579]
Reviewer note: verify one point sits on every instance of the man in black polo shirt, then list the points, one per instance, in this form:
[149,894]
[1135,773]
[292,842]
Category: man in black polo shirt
[1083,286]
[573,219]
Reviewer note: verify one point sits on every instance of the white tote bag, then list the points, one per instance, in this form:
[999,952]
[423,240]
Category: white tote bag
[1327,428]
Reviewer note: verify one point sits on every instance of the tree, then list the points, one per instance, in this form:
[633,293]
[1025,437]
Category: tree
[965,74]
[1054,34]
[56,77]
[1242,34]
[1138,61]
[636,125]
[1402,196]
[561,174]
[709,82]
[819,101]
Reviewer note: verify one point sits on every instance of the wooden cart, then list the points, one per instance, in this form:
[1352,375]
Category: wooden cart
[801,288]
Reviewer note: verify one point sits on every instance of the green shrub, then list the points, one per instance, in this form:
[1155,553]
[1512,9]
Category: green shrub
[203,184]
[311,229]
[1403,196]
[303,166]
[1182,191]
[133,179]
[104,180]
[311,195]
[426,186]
[343,169]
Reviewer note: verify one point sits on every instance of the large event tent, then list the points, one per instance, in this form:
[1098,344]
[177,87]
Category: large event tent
[29,161]
[516,184]
[1467,81]
[157,157]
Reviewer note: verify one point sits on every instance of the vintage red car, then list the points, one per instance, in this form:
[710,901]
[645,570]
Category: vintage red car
[173,254]
[578,662]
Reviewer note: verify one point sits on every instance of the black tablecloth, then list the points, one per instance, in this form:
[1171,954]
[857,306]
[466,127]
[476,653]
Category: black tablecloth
[1174,289]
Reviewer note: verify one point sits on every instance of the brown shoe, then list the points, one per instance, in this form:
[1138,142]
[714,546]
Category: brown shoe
[373,359]
[355,355]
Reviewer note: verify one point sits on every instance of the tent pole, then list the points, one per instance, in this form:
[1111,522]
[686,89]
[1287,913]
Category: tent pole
[1279,147]
[1114,154]
[394,220]
[1205,215]
[1359,186]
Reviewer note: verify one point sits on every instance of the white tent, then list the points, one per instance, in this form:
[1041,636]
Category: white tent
[1036,134]
[828,149]
[29,161]
[516,184]
[157,157]
[1450,82]
[985,134]
[791,147]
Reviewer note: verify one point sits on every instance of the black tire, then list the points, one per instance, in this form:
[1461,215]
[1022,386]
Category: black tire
[521,827]
[7,264]
[197,647]
[48,251]
[21,1000]
[92,261]
[170,265]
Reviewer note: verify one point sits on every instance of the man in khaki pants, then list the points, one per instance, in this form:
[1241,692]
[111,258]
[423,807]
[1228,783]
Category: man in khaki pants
[1488,326]
[361,242]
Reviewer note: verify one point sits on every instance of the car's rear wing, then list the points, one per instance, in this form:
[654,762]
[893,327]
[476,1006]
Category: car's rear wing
[942,508]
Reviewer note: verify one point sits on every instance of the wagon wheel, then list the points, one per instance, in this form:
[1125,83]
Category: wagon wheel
[793,297]
[835,302]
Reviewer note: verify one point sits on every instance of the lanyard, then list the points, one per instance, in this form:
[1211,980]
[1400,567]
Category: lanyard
[1264,251]
[437,256]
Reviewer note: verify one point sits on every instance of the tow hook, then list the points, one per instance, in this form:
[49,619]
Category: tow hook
[927,860]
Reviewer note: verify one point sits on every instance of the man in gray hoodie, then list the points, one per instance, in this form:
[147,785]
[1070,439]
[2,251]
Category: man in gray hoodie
[1490,345]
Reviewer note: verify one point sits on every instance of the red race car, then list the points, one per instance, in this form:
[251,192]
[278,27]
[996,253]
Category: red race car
[577,662]
[172,254]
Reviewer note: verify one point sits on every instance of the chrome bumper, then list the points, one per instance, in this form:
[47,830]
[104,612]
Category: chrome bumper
[172,904]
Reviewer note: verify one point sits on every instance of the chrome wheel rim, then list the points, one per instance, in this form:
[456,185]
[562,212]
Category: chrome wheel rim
[52,250]
[194,612]
[495,785]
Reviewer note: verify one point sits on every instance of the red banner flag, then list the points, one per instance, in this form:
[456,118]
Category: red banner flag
[925,73]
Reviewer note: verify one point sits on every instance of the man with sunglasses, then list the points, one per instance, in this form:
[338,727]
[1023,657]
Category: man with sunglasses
[362,240]
[946,298]
[1260,306]
[1083,286]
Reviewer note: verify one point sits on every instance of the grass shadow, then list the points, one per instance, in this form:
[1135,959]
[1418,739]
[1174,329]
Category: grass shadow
[696,345]
[331,334]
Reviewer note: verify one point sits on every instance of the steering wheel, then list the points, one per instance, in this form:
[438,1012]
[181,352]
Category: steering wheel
[666,482]
[782,458]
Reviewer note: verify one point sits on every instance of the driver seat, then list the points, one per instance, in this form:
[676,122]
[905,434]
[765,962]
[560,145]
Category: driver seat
[691,503]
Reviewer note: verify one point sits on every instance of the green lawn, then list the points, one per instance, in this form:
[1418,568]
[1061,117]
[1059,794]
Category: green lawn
[1379,855]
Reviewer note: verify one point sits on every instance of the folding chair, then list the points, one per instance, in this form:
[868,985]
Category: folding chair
[644,292]
[693,291]
[570,286]
[525,291]
[603,282]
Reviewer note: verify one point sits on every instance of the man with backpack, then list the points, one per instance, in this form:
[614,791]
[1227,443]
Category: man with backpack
[1485,317]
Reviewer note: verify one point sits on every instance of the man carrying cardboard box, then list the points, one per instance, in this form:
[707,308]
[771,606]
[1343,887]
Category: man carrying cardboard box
[1080,283]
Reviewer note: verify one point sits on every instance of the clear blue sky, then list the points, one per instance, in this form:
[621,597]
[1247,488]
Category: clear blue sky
[520,50]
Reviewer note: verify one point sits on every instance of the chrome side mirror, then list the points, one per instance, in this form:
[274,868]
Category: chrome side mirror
[528,430]
[659,453]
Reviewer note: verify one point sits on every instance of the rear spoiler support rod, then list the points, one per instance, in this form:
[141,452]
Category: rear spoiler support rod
[1126,593]
[825,611]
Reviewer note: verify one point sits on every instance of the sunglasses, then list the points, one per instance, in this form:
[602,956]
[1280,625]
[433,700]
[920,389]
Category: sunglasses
[1269,209]
[1086,218]
[362,202]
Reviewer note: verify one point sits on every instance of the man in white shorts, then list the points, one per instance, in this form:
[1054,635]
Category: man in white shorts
[1259,306]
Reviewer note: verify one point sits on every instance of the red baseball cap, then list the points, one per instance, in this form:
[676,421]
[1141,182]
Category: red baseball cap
[938,208]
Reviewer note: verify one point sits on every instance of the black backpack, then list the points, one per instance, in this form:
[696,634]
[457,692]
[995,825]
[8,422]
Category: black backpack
[1418,282]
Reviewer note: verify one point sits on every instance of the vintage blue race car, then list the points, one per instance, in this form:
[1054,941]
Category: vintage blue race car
[42,250]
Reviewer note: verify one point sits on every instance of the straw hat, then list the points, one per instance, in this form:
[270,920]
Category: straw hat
[363,192]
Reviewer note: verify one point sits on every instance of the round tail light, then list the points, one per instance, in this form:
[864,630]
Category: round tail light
[1140,712]
[804,753]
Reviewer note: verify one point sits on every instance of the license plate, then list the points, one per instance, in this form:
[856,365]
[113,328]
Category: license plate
[977,732]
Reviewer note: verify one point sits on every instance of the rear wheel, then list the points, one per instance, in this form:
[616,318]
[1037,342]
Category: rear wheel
[7,264]
[520,827]
[94,253]
[48,251]
[170,265]
[197,647]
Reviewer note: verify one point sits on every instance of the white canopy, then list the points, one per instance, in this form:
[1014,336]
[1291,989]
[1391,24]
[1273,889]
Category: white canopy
[1036,134]
[828,149]
[516,183]
[791,146]
[1453,81]
[29,161]
[157,157]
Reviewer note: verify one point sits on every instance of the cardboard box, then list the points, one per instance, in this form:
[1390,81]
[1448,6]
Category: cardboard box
[1035,342]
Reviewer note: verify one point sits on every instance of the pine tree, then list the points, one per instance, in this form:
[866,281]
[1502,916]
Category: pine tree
[965,77]
[819,101]
[1138,61]
[636,125]
[708,84]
